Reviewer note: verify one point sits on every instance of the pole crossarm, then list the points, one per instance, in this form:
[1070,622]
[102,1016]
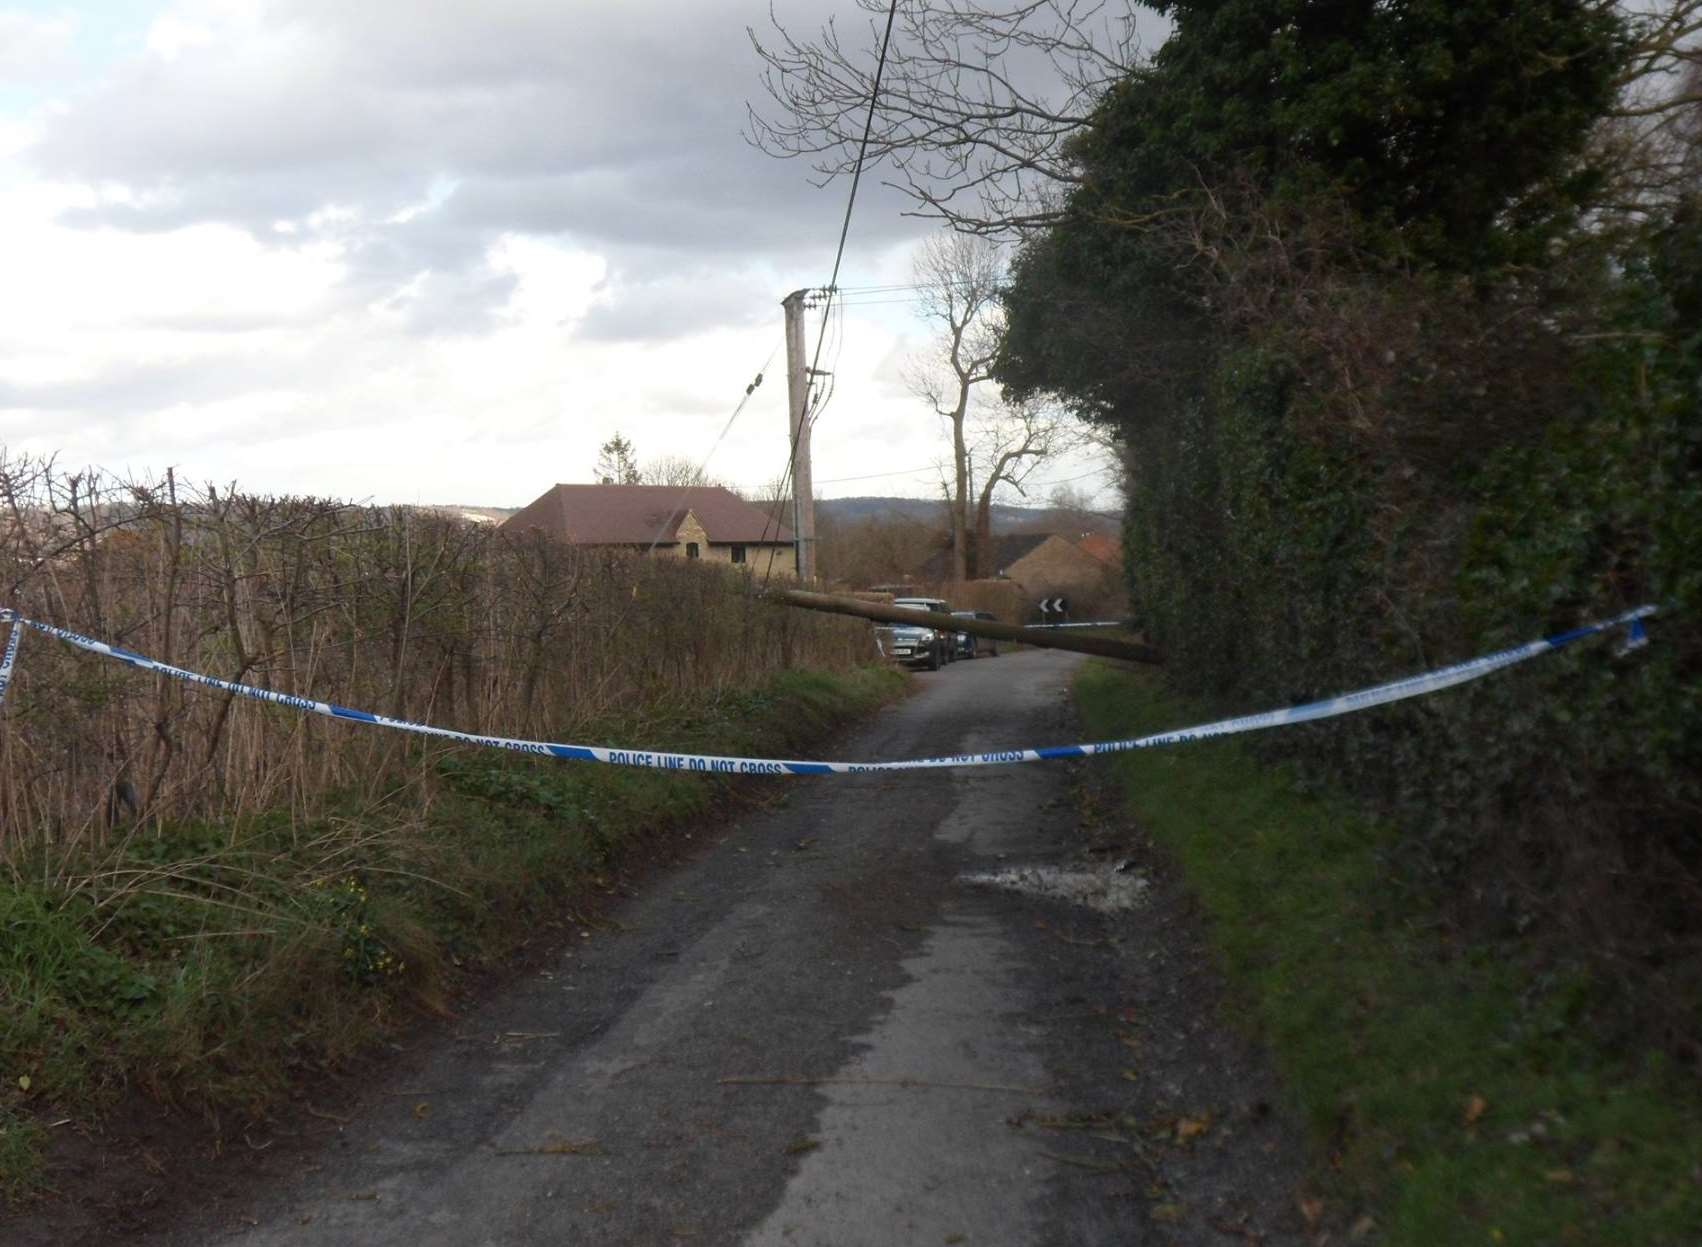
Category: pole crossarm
[1101,647]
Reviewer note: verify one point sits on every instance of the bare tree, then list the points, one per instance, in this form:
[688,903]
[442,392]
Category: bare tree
[1072,499]
[1666,46]
[975,107]
[993,443]
[676,470]
[1650,141]
[874,550]
[1012,441]
[958,278]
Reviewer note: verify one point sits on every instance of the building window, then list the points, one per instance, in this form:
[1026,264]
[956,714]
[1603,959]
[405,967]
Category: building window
[738,554]
[691,549]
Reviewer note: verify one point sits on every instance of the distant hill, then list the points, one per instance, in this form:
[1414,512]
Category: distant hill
[1006,518]
[477,515]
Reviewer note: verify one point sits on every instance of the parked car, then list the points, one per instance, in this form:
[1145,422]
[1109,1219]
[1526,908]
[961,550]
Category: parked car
[938,605]
[969,646]
[914,645]
[919,645]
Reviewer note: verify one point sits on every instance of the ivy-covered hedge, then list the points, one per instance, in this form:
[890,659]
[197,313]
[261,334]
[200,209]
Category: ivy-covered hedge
[1559,800]
[1399,325]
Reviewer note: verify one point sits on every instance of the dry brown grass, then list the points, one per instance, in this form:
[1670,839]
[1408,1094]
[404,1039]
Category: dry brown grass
[391,610]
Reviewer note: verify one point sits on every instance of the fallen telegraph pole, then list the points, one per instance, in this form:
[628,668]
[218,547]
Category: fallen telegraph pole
[1041,638]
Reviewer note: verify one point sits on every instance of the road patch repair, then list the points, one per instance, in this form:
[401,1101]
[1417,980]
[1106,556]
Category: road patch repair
[1111,887]
[906,1143]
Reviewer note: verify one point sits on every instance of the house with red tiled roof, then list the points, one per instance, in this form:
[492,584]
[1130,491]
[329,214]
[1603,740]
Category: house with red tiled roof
[1033,567]
[1043,564]
[695,522]
[1104,547]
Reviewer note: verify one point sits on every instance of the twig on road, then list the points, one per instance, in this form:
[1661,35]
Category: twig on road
[1246,1233]
[1095,1166]
[561,1147]
[788,1081]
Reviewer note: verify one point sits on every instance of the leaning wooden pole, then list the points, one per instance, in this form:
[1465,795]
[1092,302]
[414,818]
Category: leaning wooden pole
[1100,646]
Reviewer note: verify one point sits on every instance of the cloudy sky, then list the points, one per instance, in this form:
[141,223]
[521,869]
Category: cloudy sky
[406,250]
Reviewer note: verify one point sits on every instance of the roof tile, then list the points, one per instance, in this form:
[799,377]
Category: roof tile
[606,515]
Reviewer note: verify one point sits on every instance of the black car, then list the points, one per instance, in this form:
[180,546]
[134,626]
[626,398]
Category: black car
[967,646]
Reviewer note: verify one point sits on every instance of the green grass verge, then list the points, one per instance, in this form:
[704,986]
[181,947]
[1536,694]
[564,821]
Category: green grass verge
[1447,1086]
[214,965]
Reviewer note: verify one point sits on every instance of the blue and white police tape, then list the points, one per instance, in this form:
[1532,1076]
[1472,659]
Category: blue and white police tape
[1347,703]
[9,658]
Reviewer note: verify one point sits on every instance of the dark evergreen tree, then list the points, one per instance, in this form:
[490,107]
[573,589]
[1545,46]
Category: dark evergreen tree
[617,463]
[1451,131]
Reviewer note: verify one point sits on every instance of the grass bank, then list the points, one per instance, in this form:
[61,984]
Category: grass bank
[1447,1085]
[213,964]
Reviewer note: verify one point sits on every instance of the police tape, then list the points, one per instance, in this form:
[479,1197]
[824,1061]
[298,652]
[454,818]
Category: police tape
[9,658]
[1347,703]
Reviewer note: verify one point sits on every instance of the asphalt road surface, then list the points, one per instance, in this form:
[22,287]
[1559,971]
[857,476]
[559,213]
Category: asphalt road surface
[817,1030]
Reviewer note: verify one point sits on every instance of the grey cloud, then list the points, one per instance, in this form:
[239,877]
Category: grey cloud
[253,202]
[382,257]
[146,386]
[446,304]
[362,96]
[675,306]
[446,258]
[890,372]
[34,49]
[701,205]
[612,126]
[683,404]
[140,388]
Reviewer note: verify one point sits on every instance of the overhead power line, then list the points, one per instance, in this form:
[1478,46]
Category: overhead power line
[911,301]
[703,464]
[934,469]
[871,476]
[893,287]
[862,151]
[838,258]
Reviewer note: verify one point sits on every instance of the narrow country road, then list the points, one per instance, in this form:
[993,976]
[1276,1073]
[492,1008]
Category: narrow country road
[818,1031]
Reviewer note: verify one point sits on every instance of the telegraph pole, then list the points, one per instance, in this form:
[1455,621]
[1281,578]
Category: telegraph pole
[798,395]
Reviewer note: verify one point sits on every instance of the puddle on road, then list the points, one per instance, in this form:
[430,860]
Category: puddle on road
[1108,888]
